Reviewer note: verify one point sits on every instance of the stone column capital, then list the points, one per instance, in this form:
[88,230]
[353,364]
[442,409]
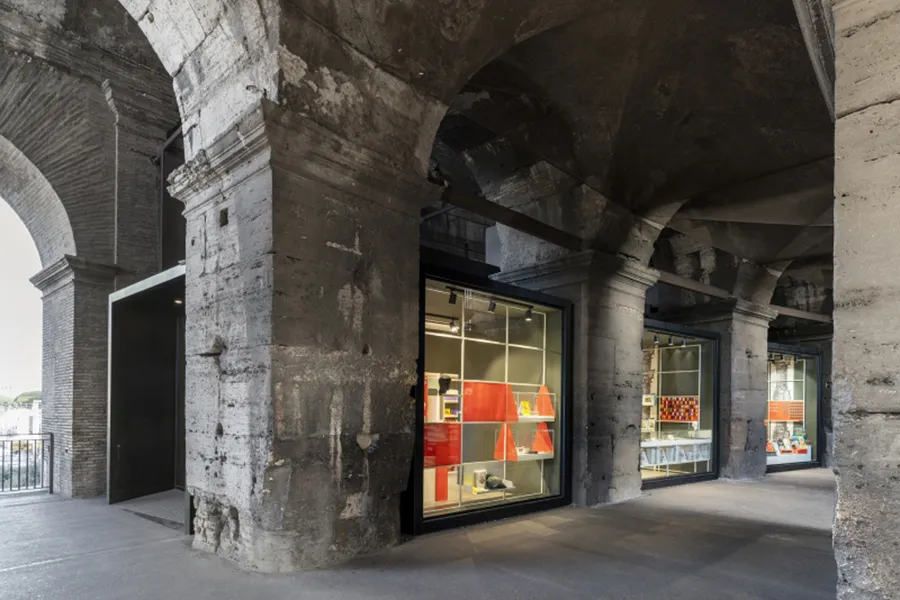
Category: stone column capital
[70,269]
[582,267]
[727,310]
[269,137]
[570,269]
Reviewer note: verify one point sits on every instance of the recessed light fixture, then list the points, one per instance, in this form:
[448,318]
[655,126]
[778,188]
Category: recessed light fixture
[179,301]
[492,307]
[528,315]
[454,326]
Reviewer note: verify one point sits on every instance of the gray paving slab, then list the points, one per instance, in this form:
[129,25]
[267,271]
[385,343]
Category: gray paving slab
[762,540]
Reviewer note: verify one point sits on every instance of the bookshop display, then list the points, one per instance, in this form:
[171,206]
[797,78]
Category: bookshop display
[677,405]
[493,377]
[792,423]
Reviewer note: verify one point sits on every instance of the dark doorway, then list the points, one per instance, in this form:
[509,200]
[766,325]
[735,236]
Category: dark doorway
[146,392]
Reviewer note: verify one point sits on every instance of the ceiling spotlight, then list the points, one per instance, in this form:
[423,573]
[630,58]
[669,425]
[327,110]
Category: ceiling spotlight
[656,340]
[179,301]
[492,307]
[452,296]
[671,340]
[683,342]
[771,356]
[528,315]
[454,326]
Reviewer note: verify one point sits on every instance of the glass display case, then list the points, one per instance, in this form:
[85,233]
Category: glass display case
[792,424]
[493,375]
[678,405]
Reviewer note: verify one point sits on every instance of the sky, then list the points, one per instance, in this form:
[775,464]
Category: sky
[20,307]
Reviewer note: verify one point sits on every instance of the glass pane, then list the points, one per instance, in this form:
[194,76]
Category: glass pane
[526,366]
[440,315]
[686,383]
[680,358]
[524,332]
[483,483]
[440,490]
[493,400]
[481,324]
[677,406]
[443,355]
[485,362]
[480,442]
[793,410]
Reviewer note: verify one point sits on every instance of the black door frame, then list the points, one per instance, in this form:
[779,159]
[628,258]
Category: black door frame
[805,352]
[140,287]
[716,338]
[413,520]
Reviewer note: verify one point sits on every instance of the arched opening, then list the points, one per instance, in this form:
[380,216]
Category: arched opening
[82,132]
[20,310]
[693,138]
[35,229]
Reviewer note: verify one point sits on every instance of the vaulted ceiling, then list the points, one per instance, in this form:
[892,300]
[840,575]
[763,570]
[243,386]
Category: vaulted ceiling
[715,105]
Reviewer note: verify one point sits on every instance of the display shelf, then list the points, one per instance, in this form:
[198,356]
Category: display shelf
[666,443]
[657,454]
[790,459]
[536,419]
[452,336]
[527,457]
[497,358]
[481,491]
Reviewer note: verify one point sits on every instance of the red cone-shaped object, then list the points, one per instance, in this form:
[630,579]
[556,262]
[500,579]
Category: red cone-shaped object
[505,448]
[542,443]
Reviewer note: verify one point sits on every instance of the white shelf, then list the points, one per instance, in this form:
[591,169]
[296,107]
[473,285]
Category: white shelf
[671,443]
[532,457]
[534,419]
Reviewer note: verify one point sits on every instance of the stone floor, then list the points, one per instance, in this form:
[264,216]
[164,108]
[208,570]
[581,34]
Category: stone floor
[765,540]
[165,508]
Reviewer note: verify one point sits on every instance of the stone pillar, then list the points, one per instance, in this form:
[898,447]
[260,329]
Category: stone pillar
[608,293]
[866,408]
[743,390]
[74,398]
[302,340]
[141,125]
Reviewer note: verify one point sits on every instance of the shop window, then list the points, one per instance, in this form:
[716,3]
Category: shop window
[792,424]
[492,400]
[678,405]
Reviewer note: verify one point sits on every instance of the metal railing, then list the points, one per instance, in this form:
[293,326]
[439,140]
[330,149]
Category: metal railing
[26,463]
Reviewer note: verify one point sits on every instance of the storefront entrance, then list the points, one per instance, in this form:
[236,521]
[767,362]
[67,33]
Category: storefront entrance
[679,406]
[493,404]
[793,428]
[146,452]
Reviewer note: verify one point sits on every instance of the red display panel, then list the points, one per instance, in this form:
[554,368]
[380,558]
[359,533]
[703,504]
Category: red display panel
[442,447]
[489,402]
[683,409]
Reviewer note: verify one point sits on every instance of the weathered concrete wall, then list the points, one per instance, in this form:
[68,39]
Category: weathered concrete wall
[866,338]
[743,388]
[609,294]
[302,307]
[459,233]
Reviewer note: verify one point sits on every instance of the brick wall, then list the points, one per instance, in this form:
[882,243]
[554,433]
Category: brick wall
[56,399]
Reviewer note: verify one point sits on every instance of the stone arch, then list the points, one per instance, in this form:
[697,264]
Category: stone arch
[27,191]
